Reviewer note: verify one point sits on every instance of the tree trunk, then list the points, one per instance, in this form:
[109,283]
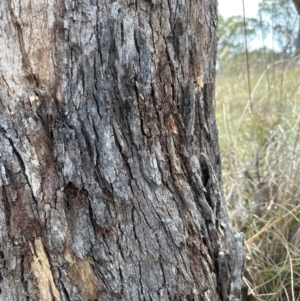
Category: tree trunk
[297,42]
[109,159]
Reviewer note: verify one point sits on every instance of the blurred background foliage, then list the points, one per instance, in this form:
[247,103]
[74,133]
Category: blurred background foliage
[276,28]
[257,108]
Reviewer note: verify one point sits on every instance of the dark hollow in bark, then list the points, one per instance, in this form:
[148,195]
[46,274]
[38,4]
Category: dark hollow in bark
[109,158]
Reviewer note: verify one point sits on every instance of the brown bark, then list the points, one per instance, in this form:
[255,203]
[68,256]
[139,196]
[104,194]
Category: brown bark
[110,166]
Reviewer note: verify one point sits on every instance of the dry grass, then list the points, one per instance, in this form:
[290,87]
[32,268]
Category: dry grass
[260,146]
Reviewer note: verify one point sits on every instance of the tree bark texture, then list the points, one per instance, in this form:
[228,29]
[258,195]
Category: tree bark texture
[109,159]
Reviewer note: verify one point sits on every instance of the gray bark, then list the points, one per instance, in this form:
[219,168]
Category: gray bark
[297,41]
[109,159]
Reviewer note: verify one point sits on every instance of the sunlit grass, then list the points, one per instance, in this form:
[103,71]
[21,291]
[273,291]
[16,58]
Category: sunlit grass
[260,147]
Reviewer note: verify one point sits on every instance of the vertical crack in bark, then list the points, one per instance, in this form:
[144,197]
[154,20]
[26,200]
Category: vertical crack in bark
[141,282]
[134,219]
[67,297]
[23,280]
[22,165]
[7,211]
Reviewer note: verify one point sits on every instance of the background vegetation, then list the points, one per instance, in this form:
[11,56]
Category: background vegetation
[258,105]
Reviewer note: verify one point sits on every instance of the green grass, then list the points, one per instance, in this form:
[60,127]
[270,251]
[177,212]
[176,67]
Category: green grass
[260,145]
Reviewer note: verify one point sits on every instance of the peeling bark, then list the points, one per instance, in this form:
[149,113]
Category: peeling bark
[109,158]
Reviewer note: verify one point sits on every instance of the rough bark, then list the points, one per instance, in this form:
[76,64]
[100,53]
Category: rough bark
[109,159]
[297,41]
